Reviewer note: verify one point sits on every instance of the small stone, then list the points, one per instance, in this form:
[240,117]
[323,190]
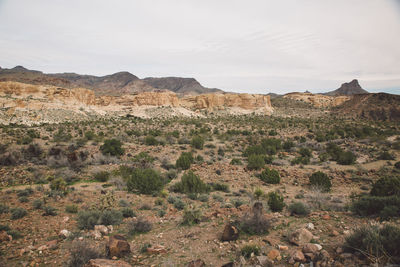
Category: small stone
[334,233]
[326,217]
[280,247]
[273,254]
[102,229]
[65,233]
[311,248]
[310,226]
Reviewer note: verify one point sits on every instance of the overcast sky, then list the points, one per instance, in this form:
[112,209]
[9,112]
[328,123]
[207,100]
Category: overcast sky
[256,46]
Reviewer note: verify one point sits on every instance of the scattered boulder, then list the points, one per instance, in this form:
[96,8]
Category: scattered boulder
[102,229]
[264,261]
[230,233]
[274,254]
[310,226]
[4,237]
[65,233]
[196,263]
[311,248]
[107,263]
[300,237]
[117,246]
[156,250]
[297,256]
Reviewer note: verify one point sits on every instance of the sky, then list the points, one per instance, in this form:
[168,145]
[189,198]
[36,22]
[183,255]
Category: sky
[255,46]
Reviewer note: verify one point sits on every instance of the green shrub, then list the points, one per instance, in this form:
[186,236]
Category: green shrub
[190,183]
[270,176]
[18,213]
[191,216]
[71,208]
[49,211]
[151,141]
[179,204]
[389,212]
[128,212]
[197,142]
[23,199]
[248,250]
[219,187]
[25,192]
[374,205]
[397,165]
[171,199]
[321,180]
[255,162]
[101,176]
[381,242]
[4,208]
[81,252]
[236,161]
[37,204]
[58,184]
[87,219]
[385,155]
[275,202]
[145,181]
[305,152]
[184,161]
[141,225]
[346,158]
[386,186]
[288,145]
[298,208]
[112,147]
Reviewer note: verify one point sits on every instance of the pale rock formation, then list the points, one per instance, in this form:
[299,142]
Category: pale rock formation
[317,100]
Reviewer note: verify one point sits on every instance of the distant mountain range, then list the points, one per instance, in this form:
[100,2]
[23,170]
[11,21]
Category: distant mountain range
[115,84]
[351,88]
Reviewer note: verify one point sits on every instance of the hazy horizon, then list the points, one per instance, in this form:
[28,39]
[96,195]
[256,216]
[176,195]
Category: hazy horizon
[239,46]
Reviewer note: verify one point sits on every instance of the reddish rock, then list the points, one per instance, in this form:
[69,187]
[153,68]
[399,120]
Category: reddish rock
[156,250]
[300,236]
[297,255]
[196,263]
[230,233]
[107,263]
[5,237]
[117,246]
[326,217]
[274,254]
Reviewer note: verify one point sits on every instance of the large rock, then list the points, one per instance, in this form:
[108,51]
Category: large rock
[117,246]
[230,233]
[311,248]
[107,263]
[300,237]
[297,256]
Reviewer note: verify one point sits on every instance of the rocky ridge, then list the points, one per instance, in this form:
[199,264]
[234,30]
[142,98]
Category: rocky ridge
[317,100]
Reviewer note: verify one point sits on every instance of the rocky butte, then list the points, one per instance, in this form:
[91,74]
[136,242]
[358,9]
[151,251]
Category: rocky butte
[18,99]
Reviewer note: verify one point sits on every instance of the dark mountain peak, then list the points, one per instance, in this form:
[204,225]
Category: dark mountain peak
[350,88]
[123,75]
[19,68]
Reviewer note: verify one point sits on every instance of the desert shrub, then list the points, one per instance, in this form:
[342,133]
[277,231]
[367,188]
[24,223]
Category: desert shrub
[81,252]
[288,145]
[18,213]
[23,199]
[190,183]
[25,192]
[112,147]
[203,198]
[111,217]
[197,142]
[179,204]
[275,202]
[184,161]
[143,159]
[237,202]
[321,180]
[145,181]
[377,241]
[254,222]
[346,158]
[385,155]
[15,234]
[71,208]
[141,225]
[150,141]
[170,175]
[37,204]
[374,205]
[101,176]
[145,206]
[123,203]
[248,250]
[389,212]
[87,219]
[236,161]
[298,208]
[191,216]
[128,212]
[397,165]
[305,152]
[219,187]
[4,208]
[255,162]
[270,176]
[58,184]
[49,211]
[171,199]
[386,186]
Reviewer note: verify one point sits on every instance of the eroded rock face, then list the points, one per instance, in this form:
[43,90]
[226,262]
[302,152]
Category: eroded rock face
[317,100]
[117,246]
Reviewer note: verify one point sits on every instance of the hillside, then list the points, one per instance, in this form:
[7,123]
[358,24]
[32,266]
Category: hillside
[377,106]
[115,84]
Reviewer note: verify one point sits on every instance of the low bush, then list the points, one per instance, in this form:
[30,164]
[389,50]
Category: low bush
[18,213]
[112,147]
[219,187]
[150,141]
[249,250]
[385,155]
[255,162]
[190,183]
[275,202]
[184,161]
[145,181]
[81,252]
[179,204]
[254,222]
[270,176]
[128,212]
[191,216]
[381,242]
[197,142]
[87,219]
[49,211]
[102,176]
[321,180]
[386,186]
[141,225]
[4,208]
[37,204]
[23,199]
[235,161]
[374,205]
[58,184]
[299,208]
[71,208]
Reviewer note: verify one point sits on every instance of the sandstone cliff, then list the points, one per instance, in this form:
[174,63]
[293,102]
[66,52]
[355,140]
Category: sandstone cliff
[317,100]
